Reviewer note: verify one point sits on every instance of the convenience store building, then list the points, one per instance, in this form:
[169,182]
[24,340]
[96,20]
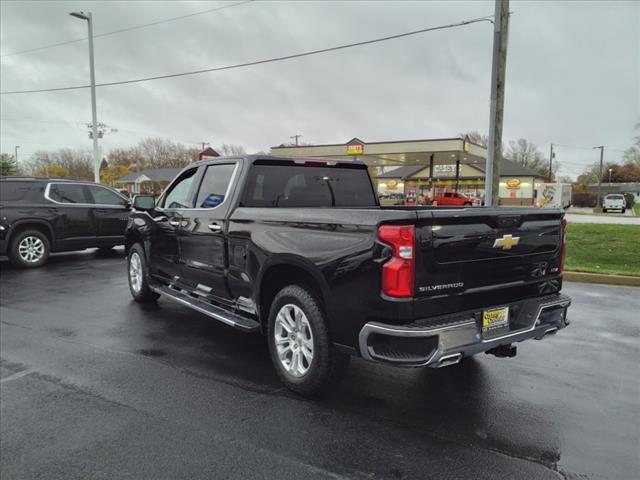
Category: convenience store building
[402,170]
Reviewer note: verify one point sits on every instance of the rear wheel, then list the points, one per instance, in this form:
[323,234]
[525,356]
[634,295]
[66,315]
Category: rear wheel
[29,249]
[624,210]
[138,276]
[301,350]
[604,210]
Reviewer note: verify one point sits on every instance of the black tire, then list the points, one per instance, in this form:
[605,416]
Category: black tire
[327,364]
[143,293]
[38,239]
[624,210]
[604,210]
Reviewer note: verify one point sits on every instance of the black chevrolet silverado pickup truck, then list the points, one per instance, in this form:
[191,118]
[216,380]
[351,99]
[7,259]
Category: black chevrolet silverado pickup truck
[300,250]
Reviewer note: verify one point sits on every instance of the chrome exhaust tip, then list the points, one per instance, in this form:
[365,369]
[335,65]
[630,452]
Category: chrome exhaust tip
[449,360]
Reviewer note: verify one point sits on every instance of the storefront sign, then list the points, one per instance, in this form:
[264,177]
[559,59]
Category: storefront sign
[513,183]
[444,170]
[355,149]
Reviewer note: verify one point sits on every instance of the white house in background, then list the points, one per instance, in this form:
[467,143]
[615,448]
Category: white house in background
[151,180]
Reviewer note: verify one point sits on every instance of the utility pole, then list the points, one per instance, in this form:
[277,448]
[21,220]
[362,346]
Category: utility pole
[94,113]
[598,208]
[296,137]
[551,164]
[203,145]
[498,68]
[16,153]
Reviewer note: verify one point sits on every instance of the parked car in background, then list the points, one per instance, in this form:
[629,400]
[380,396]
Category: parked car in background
[301,250]
[614,201]
[454,199]
[42,215]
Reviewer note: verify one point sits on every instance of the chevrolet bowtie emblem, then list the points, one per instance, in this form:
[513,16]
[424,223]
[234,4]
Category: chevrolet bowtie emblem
[506,242]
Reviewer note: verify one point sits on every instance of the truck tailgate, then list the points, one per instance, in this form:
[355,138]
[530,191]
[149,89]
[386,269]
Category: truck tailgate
[465,254]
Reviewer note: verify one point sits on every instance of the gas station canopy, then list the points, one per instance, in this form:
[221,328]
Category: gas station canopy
[443,151]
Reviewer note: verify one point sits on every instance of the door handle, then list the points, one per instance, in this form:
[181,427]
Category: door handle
[175,223]
[215,228]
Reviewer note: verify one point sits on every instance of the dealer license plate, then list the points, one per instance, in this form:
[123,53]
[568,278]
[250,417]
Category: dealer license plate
[494,319]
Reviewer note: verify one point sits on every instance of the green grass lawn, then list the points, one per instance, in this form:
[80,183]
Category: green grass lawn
[603,248]
[636,209]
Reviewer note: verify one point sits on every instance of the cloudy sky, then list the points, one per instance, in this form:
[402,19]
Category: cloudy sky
[573,74]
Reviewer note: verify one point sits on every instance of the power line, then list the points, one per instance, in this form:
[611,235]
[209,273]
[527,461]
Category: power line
[260,62]
[128,29]
[587,148]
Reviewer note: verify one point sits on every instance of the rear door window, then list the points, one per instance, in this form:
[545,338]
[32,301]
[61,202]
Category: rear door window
[67,193]
[214,186]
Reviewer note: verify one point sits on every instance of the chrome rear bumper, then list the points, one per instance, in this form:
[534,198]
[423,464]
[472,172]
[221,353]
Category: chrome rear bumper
[443,345]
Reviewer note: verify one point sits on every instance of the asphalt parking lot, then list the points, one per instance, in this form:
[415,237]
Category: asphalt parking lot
[96,386]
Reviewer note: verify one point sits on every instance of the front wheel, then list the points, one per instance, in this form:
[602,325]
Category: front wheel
[138,276]
[624,210]
[301,350]
[29,249]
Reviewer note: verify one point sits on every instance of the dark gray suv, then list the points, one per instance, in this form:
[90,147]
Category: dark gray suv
[43,215]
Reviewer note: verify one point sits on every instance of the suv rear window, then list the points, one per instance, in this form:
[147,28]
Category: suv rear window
[614,197]
[307,186]
[18,192]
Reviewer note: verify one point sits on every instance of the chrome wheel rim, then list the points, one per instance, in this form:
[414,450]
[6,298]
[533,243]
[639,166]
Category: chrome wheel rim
[135,272]
[294,340]
[31,249]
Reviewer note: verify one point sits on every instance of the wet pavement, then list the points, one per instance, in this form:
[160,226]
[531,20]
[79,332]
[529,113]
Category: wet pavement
[94,385]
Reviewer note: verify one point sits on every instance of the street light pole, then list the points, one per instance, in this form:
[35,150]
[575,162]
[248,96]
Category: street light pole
[94,114]
[598,208]
[610,170]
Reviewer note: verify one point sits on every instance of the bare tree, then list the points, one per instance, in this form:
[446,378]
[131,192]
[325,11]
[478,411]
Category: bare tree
[632,154]
[477,138]
[231,149]
[526,153]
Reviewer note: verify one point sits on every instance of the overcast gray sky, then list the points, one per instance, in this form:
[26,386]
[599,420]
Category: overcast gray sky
[573,74]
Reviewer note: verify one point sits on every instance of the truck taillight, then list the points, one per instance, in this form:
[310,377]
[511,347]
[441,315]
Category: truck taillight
[563,244]
[398,272]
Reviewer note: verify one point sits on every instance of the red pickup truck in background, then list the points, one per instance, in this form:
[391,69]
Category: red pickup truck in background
[449,199]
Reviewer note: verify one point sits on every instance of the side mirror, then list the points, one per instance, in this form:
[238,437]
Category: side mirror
[144,202]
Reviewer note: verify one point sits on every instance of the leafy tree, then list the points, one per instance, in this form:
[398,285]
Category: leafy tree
[52,171]
[8,165]
[629,172]
[111,173]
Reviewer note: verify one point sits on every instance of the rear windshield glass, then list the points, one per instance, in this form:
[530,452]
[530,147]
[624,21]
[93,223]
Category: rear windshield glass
[307,186]
[615,197]
[17,192]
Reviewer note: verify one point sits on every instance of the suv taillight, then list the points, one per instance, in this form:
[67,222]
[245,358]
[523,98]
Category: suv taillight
[563,245]
[398,272]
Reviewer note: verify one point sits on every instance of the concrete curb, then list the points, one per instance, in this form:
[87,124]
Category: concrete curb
[601,278]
